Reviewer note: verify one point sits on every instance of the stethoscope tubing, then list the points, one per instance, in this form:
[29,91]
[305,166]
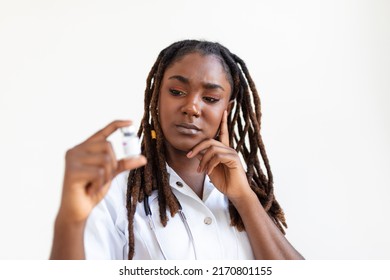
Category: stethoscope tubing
[152,226]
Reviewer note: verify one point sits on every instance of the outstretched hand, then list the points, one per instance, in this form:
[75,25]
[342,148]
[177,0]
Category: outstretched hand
[222,164]
[90,167]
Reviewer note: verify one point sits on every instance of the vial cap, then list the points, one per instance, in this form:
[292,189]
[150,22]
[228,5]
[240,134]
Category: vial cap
[128,130]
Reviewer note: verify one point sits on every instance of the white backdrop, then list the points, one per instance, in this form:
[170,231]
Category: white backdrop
[67,68]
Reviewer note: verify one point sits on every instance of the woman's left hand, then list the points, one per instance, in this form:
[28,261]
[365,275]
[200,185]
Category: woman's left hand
[222,164]
[226,172]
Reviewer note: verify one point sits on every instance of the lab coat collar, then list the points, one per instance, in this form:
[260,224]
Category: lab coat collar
[178,184]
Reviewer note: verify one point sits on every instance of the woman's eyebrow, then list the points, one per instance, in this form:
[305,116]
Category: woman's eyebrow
[182,79]
[186,81]
[212,86]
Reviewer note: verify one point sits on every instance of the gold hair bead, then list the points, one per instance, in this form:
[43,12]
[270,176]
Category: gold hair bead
[153,133]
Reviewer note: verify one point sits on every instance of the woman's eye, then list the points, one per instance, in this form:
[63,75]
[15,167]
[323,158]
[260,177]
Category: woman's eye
[210,99]
[176,92]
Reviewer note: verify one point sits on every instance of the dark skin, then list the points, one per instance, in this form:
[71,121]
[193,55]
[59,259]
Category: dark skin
[89,169]
[194,104]
[193,97]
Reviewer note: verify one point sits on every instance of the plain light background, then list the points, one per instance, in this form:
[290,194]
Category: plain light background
[67,68]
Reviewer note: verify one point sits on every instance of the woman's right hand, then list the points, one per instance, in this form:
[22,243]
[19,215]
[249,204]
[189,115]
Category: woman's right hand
[90,167]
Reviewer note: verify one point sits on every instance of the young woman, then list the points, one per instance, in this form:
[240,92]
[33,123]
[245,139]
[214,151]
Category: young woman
[198,191]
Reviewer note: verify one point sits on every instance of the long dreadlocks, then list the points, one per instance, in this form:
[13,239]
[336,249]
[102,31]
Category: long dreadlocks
[244,123]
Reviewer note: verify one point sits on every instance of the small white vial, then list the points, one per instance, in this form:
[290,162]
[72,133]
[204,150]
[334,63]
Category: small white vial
[131,143]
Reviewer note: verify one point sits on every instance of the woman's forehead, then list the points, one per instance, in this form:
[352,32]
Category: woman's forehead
[195,65]
[193,57]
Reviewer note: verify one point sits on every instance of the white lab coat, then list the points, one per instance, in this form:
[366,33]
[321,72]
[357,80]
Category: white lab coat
[106,234]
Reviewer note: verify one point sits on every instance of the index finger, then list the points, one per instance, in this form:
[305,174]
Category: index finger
[109,129]
[224,131]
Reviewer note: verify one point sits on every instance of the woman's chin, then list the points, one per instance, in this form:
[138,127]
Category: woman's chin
[182,146]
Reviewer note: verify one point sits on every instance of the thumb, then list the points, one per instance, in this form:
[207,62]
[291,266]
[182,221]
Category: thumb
[130,163]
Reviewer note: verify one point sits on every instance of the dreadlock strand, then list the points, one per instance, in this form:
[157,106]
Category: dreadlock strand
[131,207]
[257,123]
[256,98]
[169,199]
[257,103]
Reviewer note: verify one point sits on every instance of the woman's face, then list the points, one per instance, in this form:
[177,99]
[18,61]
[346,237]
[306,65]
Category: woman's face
[194,94]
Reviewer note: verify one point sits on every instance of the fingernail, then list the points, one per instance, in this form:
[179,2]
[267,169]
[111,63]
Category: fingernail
[189,154]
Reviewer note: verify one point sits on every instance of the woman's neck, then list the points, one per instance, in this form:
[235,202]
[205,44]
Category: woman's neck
[186,168]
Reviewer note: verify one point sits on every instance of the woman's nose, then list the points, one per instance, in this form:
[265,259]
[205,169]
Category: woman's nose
[191,107]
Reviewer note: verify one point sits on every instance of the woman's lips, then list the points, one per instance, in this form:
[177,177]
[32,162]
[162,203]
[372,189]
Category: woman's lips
[187,128]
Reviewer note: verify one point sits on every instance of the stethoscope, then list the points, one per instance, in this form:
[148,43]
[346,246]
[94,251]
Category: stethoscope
[148,213]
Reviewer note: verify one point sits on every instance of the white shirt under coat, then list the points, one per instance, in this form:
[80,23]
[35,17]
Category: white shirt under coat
[106,234]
